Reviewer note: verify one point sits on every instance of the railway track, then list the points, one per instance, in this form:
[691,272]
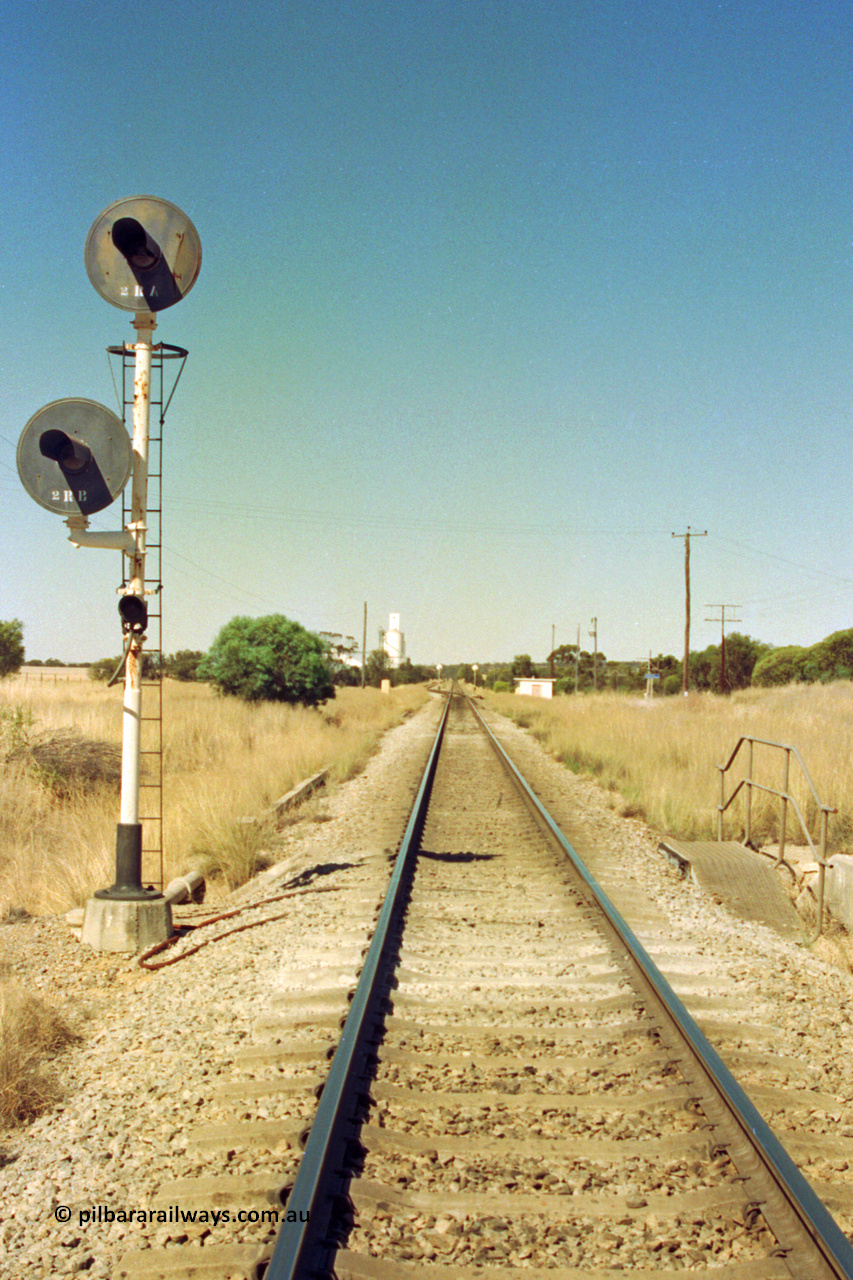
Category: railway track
[511,1090]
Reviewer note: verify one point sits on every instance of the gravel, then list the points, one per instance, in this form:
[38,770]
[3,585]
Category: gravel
[157,1044]
[156,1047]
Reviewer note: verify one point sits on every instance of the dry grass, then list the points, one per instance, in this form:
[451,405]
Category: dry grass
[661,755]
[67,762]
[31,1034]
[222,759]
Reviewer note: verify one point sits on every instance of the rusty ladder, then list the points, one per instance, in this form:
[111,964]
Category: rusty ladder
[151,751]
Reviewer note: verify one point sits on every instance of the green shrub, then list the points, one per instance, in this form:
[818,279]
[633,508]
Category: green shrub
[268,660]
[780,666]
[11,647]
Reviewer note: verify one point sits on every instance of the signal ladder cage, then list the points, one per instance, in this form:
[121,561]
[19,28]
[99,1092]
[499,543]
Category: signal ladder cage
[151,748]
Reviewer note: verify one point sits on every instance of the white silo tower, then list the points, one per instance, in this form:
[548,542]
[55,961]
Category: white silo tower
[395,641]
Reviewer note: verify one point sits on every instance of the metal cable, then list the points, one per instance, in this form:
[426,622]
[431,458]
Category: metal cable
[225,915]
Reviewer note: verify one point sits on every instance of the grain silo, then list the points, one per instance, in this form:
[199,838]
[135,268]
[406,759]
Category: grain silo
[395,641]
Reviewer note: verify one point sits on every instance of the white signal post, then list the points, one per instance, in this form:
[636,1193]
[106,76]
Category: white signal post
[144,324]
[127,916]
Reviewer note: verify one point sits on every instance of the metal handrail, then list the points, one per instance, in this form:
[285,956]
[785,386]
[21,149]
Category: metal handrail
[786,798]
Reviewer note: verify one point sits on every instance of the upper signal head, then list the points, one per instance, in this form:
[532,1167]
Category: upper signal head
[135,245]
[143,254]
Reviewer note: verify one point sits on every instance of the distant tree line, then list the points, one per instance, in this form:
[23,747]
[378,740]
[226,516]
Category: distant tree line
[277,659]
[583,671]
[182,665]
[748,662]
[55,662]
[829,659]
[752,662]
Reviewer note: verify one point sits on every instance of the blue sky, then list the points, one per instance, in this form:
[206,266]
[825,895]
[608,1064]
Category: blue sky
[495,298]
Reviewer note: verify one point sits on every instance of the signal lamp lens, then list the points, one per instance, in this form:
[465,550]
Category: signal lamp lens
[134,614]
[72,455]
[133,242]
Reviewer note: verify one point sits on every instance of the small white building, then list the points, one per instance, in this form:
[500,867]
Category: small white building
[535,686]
[394,643]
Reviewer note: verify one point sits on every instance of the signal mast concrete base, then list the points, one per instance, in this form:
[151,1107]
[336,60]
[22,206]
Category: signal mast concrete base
[126,925]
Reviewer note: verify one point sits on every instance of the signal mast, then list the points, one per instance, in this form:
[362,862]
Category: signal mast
[75,457]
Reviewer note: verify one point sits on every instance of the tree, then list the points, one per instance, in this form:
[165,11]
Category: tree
[413,673]
[742,655]
[668,668]
[269,659]
[829,659]
[590,671]
[153,665]
[522,665]
[780,666]
[377,668]
[563,657]
[347,677]
[105,668]
[704,669]
[667,665]
[623,676]
[340,652]
[11,647]
[184,664]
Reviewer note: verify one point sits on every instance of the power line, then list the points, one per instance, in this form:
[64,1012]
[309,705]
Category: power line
[290,515]
[769,555]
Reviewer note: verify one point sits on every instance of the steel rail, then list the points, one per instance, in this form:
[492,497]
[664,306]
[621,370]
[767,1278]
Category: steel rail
[292,1256]
[833,1247]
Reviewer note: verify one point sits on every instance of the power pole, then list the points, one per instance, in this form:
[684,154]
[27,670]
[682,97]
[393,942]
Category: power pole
[650,678]
[552,650]
[364,648]
[722,621]
[594,634]
[578,658]
[687,536]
